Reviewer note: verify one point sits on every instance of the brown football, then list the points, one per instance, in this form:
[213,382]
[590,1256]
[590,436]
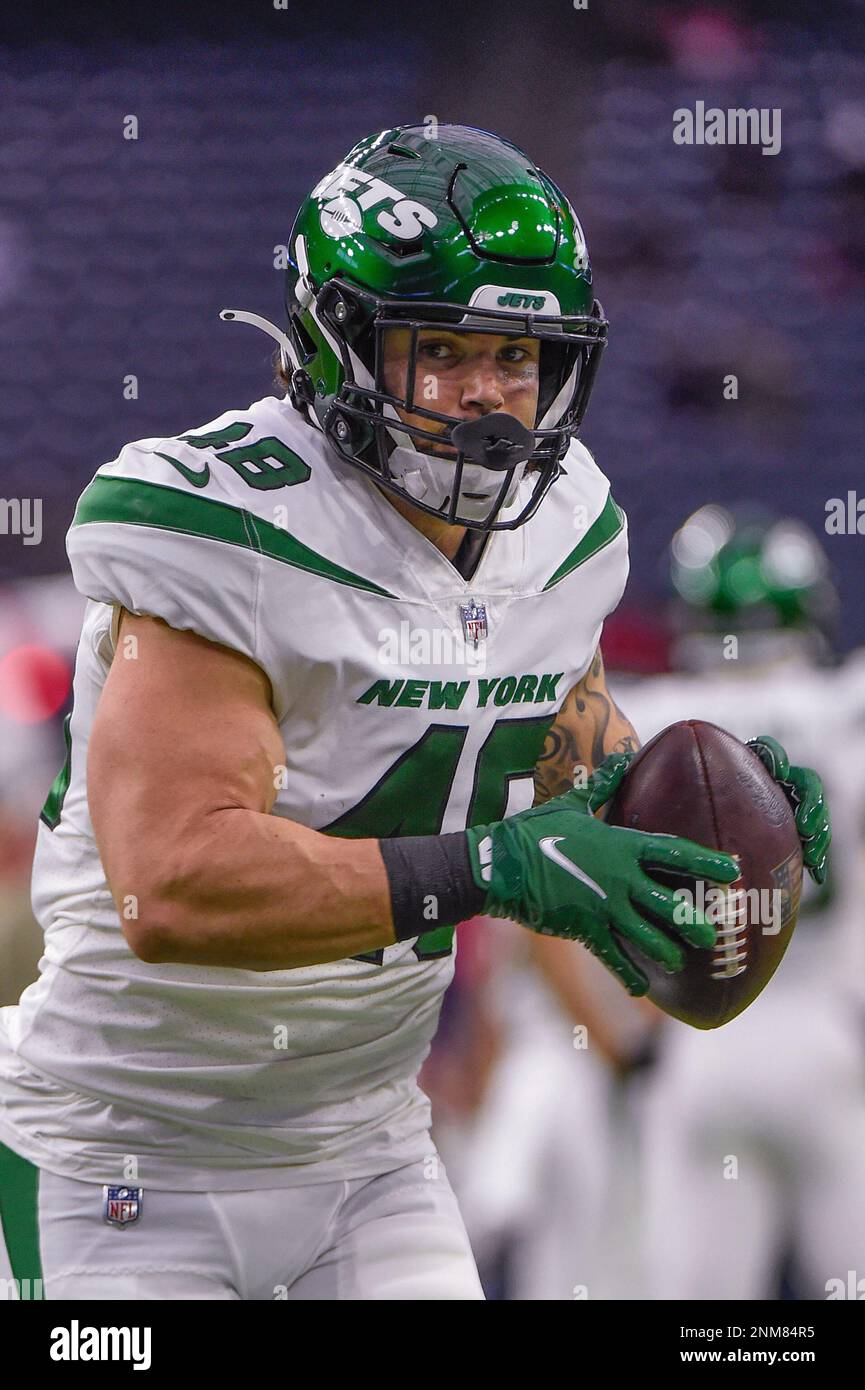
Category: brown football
[696,780]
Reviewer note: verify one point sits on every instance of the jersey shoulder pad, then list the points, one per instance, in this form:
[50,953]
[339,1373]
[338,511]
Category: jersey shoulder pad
[238,458]
[578,521]
[177,527]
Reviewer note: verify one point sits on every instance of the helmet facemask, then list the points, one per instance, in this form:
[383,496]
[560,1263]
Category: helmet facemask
[490,478]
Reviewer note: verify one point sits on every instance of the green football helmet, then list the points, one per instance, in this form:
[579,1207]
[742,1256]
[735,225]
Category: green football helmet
[762,576]
[421,228]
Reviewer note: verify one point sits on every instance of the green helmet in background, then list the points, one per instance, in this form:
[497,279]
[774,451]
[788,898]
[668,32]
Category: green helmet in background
[763,578]
[424,228]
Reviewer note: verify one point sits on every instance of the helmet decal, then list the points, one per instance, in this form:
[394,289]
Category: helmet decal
[504,297]
[340,215]
[406,218]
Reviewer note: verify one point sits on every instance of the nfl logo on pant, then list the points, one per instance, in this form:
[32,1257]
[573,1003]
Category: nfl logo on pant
[122,1205]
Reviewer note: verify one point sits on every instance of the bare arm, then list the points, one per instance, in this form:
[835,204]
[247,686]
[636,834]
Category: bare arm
[588,726]
[181,777]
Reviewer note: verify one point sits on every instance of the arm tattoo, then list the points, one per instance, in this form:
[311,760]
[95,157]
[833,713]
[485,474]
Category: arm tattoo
[588,726]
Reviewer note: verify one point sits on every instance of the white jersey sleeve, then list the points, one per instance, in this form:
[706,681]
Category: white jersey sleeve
[144,537]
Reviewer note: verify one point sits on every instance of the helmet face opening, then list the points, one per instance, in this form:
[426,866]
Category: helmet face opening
[458,234]
[366,423]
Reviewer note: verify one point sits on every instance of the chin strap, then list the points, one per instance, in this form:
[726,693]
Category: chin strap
[490,446]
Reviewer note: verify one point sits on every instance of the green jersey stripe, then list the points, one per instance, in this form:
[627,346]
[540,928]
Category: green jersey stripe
[133,502]
[19,1218]
[53,807]
[600,533]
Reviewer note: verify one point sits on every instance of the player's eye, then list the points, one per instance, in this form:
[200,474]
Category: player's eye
[437,351]
[514,354]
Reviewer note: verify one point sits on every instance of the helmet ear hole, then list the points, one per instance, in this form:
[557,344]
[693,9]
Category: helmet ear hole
[306,345]
[364,345]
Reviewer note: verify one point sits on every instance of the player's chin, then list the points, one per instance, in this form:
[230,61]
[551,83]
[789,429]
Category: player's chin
[444,450]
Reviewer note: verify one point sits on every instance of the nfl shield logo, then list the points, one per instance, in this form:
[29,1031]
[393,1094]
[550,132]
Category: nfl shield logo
[787,878]
[122,1205]
[474,616]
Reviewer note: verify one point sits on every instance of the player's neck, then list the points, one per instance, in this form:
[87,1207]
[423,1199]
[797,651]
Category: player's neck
[444,537]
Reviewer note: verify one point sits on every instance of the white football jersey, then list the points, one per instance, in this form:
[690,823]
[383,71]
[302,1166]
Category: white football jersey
[410,701]
[818,715]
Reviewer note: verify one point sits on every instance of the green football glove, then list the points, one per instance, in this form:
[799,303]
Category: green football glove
[561,872]
[804,791]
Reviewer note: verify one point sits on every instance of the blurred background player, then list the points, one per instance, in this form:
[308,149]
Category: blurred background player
[39,624]
[542,1153]
[612,1152]
[753,1136]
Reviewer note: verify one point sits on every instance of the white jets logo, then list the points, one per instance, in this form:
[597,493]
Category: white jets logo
[506,297]
[342,214]
[548,849]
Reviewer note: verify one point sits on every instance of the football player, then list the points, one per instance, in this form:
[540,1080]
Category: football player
[754,1135]
[326,634]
